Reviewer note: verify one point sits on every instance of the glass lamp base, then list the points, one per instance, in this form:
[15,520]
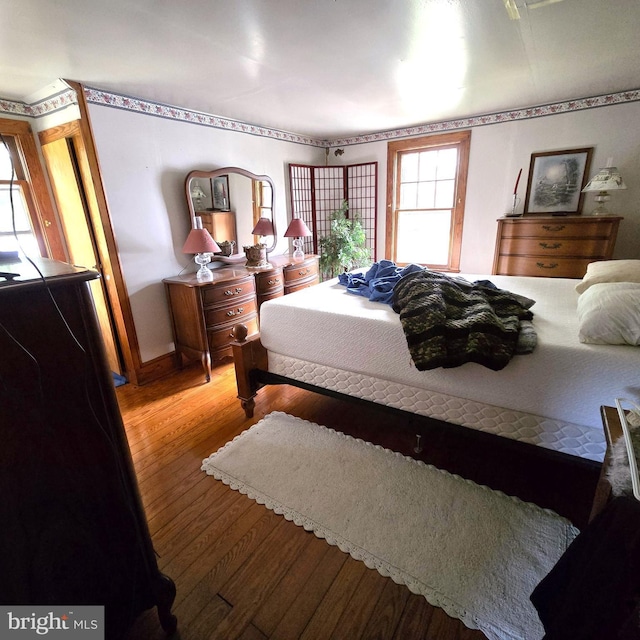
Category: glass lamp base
[204,273]
[298,254]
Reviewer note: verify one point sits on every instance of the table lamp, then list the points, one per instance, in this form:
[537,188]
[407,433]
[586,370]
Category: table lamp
[297,229]
[257,253]
[607,179]
[200,242]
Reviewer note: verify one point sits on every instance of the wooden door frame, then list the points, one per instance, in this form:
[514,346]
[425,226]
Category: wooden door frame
[124,327]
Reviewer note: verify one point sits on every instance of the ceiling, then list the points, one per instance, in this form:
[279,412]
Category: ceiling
[326,68]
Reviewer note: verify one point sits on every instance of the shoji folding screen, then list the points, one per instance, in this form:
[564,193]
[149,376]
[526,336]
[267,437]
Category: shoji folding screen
[318,191]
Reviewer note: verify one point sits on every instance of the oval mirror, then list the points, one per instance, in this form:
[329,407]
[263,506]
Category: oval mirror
[233,203]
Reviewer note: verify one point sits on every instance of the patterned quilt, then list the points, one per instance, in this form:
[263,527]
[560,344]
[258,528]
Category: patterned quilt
[449,321]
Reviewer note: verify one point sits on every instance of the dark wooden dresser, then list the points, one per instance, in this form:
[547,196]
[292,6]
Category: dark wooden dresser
[553,246]
[73,529]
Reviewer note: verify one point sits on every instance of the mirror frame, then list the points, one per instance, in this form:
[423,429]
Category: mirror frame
[238,257]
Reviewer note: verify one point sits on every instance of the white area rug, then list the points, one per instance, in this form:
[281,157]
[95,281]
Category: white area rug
[474,552]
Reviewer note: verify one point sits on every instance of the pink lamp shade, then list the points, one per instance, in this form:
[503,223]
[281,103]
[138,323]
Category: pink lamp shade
[297,229]
[199,240]
[264,227]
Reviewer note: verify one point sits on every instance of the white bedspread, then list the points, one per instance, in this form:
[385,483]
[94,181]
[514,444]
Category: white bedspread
[562,379]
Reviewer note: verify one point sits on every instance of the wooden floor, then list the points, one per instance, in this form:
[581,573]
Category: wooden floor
[243,572]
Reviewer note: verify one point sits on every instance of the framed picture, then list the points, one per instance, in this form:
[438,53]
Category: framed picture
[556,180]
[220,191]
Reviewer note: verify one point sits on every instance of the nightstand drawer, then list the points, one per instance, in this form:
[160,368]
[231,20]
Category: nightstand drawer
[549,267]
[230,313]
[589,247]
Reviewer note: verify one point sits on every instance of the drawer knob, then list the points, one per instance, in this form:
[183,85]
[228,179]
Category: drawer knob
[229,292]
[553,227]
[555,245]
[551,265]
[272,282]
[303,272]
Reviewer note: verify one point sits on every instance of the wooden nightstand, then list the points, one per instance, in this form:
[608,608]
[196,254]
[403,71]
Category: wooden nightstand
[612,431]
[553,246]
[203,314]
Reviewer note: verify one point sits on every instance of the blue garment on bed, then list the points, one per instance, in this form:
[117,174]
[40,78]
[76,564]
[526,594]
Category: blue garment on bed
[378,282]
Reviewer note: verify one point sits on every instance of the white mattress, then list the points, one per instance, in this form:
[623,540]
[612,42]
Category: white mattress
[560,386]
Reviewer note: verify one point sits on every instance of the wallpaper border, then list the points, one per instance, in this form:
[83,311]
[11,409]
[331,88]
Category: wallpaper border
[97,96]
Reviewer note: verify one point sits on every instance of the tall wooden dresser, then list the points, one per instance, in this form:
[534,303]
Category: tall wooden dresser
[553,246]
[73,529]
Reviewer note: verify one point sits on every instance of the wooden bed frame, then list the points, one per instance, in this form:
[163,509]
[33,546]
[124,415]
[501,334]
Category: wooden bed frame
[252,373]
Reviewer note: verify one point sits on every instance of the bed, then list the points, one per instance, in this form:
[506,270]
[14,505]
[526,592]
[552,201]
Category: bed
[333,341]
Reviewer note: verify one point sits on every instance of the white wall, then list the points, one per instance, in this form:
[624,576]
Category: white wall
[144,161]
[499,151]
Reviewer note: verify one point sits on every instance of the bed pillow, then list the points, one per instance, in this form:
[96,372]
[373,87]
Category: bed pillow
[609,313]
[610,271]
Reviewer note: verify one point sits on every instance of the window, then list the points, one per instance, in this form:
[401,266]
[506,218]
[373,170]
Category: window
[262,200]
[425,199]
[27,222]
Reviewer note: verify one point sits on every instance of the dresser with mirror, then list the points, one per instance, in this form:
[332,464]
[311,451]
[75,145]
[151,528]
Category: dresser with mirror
[230,201]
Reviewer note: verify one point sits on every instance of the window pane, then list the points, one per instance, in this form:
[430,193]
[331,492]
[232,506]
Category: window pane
[423,237]
[444,194]
[447,164]
[409,167]
[6,168]
[428,165]
[408,195]
[8,242]
[426,195]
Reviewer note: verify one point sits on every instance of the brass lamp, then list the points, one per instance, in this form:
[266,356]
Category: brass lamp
[297,229]
[200,242]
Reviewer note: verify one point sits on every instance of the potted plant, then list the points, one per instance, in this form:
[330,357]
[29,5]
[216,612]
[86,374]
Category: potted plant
[344,248]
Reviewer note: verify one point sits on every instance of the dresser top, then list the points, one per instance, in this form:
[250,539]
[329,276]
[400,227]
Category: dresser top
[545,218]
[24,274]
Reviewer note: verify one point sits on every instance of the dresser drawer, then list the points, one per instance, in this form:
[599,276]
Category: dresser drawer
[270,282]
[571,247]
[221,338]
[542,266]
[230,313]
[301,274]
[215,294]
[560,229]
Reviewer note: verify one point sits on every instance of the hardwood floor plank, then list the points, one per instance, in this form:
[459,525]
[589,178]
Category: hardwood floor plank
[282,599]
[252,584]
[385,617]
[293,623]
[206,575]
[326,616]
[204,625]
[415,619]
[189,534]
[360,607]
